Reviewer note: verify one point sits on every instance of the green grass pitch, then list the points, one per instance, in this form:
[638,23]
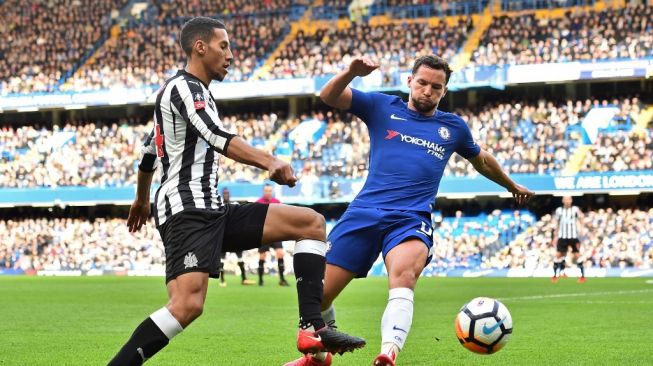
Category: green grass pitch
[84,321]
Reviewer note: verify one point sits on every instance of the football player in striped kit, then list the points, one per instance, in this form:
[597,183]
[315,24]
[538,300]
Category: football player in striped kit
[568,220]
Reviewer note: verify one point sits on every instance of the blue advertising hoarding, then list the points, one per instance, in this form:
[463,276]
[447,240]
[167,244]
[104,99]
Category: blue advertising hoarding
[344,190]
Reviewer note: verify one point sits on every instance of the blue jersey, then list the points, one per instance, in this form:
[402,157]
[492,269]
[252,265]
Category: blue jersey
[408,151]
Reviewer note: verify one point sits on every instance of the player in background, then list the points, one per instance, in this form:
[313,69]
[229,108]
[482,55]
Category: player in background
[226,199]
[410,145]
[567,221]
[195,225]
[268,198]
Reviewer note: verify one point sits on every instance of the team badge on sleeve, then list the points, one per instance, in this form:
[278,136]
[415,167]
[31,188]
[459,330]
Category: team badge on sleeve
[158,140]
[444,133]
[198,98]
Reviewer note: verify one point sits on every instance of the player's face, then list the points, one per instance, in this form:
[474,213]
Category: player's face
[218,55]
[226,195]
[566,201]
[427,87]
[267,192]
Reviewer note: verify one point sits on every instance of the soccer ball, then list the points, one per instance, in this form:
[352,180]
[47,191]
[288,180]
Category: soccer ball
[483,325]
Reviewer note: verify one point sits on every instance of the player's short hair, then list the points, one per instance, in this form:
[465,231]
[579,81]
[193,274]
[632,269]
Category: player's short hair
[433,62]
[198,28]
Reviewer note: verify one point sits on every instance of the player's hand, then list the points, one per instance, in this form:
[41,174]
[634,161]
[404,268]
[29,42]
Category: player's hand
[139,213]
[362,66]
[521,194]
[282,173]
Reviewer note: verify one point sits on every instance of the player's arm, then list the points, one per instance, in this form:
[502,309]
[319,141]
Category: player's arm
[139,212]
[488,166]
[224,142]
[242,152]
[336,92]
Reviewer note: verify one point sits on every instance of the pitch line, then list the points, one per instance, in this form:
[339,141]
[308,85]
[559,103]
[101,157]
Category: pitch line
[575,294]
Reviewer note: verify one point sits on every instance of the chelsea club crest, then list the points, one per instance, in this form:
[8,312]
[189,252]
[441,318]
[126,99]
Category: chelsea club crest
[444,133]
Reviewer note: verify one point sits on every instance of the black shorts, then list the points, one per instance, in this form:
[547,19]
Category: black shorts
[266,247]
[563,244]
[194,239]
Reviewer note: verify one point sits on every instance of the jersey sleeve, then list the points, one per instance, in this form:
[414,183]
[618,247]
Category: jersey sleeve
[148,158]
[467,147]
[556,215]
[362,104]
[188,98]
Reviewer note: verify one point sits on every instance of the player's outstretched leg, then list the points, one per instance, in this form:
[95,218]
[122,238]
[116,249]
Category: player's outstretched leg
[187,293]
[404,263]
[285,222]
[336,279]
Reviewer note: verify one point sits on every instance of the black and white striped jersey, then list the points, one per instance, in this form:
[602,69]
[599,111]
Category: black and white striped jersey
[186,136]
[567,222]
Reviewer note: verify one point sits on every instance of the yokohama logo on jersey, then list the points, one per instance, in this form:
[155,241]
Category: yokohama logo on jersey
[433,148]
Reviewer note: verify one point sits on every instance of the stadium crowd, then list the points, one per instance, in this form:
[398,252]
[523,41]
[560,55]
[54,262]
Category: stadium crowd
[329,50]
[620,151]
[463,242]
[609,238]
[536,138]
[525,138]
[146,54]
[44,40]
[580,35]
[143,51]
[170,9]
[77,154]
[78,244]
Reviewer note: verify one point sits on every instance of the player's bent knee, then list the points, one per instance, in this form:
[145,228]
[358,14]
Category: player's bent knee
[316,226]
[186,310]
[406,278]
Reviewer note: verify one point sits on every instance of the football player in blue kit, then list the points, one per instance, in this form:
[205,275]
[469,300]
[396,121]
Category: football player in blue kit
[410,145]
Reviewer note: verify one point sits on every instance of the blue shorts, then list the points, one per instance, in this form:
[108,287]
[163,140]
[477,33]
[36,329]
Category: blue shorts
[362,233]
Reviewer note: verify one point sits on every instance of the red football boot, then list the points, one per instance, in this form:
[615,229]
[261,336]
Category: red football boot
[327,339]
[309,360]
[383,360]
